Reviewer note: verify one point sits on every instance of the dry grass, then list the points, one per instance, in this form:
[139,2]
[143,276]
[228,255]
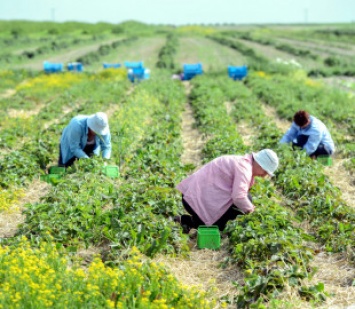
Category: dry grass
[270,112]
[10,220]
[24,114]
[8,93]
[192,140]
[203,269]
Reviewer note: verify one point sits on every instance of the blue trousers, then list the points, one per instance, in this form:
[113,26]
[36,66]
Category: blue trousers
[302,140]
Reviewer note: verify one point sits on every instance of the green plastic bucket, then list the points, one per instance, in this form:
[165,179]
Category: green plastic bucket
[56,170]
[325,160]
[51,178]
[208,237]
[111,171]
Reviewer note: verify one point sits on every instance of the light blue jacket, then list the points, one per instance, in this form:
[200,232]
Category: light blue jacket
[317,132]
[74,139]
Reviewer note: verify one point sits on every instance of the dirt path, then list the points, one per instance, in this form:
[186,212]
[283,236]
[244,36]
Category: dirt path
[243,128]
[7,93]
[10,220]
[192,140]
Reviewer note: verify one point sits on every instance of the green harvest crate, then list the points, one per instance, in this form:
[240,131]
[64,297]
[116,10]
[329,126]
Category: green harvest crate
[51,178]
[56,170]
[208,237]
[111,171]
[325,160]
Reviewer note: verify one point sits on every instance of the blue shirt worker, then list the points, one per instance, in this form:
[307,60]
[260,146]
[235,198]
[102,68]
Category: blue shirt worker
[310,134]
[84,137]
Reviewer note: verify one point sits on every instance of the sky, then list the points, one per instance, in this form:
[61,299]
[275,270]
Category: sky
[180,12]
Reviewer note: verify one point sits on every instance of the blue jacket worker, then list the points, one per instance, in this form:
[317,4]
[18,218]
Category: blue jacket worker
[310,134]
[84,137]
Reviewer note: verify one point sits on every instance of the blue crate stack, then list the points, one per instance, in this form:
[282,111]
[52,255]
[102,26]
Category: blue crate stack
[237,72]
[75,67]
[136,71]
[191,70]
[50,67]
[111,65]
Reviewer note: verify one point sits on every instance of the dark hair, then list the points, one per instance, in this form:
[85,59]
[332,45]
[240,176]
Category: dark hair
[301,118]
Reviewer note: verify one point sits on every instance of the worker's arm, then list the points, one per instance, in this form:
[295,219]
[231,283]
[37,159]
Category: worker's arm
[104,142]
[244,205]
[290,134]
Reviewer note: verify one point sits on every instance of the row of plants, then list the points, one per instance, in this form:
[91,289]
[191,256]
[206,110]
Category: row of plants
[331,65]
[20,166]
[343,34]
[101,210]
[35,102]
[89,208]
[267,244]
[308,191]
[53,46]
[104,50]
[280,46]
[168,52]
[255,61]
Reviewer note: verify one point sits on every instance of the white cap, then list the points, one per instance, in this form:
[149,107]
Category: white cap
[99,123]
[268,160]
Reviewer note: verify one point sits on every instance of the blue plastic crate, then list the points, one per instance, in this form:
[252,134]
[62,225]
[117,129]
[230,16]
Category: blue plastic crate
[138,74]
[111,65]
[50,67]
[134,65]
[75,67]
[191,70]
[237,73]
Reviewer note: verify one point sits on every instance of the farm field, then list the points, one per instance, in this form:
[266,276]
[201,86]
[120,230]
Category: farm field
[273,54]
[215,56]
[91,241]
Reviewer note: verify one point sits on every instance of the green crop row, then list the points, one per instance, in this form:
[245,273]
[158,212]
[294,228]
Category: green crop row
[167,53]
[136,211]
[255,60]
[104,50]
[307,191]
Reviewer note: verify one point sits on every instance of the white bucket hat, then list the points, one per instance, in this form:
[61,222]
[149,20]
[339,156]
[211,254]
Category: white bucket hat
[99,123]
[268,160]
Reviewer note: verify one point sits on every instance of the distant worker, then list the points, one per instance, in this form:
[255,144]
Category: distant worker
[219,190]
[84,137]
[310,134]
